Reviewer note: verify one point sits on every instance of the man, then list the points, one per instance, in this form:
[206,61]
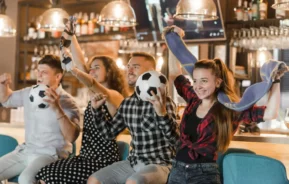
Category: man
[47,131]
[153,129]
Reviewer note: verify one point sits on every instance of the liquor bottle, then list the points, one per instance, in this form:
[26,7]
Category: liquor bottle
[96,25]
[32,34]
[34,61]
[239,11]
[246,11]
[263,8]
[255,10]
[78,24]
[250,11]
[84,24]
[91,24]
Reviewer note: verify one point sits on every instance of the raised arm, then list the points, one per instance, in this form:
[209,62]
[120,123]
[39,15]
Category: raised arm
[273,103]
[112,96]
[77,55]
[5,91]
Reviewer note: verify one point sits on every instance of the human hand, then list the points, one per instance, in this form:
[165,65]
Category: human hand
[5,79]
[159,102]
[281,72]
[52,98]
[66,60]
[97,100]
[175,29]
[70,27]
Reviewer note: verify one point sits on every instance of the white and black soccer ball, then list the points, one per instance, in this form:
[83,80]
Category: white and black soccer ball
[150,81]
[37,96]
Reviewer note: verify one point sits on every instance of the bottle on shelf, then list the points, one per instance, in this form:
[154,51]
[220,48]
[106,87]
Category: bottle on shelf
[246,10]
[96,25]
[91,24]
[84,25]
[32,34]
[78,24]
[250,11]
[239,11]
[263,8]
[255,10]
[34,61]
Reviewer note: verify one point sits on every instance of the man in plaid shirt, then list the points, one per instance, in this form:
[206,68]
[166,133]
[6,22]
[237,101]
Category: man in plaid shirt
[153,129]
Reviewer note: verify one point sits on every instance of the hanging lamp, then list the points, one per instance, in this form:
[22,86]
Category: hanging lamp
[52,19]
[198,10]
[7,26]
[281,4]
[117,14]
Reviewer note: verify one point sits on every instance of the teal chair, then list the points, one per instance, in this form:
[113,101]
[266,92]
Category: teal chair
[8,144]
[229,151]
[244,168]
[123,149]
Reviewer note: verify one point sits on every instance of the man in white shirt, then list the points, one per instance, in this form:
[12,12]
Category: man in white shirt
[47,131]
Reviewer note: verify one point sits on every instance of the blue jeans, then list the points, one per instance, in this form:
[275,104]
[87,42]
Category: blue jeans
[198,173]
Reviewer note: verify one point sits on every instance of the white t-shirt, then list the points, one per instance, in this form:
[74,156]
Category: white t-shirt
[42,129]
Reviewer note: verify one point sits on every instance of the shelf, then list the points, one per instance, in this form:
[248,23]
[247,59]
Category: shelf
[253,23]
[85,38]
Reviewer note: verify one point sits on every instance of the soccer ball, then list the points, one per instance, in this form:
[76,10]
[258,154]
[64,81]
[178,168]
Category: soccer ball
[36,96]
[150,81]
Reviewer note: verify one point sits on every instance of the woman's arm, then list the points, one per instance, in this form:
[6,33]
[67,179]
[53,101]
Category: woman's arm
[273,103]
[112,96]
[77,55]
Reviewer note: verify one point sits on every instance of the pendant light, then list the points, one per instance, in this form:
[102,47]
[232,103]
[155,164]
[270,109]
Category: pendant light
[117,14]
[281,4]
[198,10]
[52,19]
[7,26]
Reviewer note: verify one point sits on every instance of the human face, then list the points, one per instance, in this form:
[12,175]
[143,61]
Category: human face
[136,66]
[205,83]
[48,76]
[97,70]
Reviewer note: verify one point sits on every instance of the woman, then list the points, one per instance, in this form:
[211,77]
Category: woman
[207,126]
[105,81]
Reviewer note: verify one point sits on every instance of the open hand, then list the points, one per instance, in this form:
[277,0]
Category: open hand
[159,102]
[52,98]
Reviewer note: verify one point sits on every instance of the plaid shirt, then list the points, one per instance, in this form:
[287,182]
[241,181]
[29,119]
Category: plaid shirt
[206,144]
[153,137]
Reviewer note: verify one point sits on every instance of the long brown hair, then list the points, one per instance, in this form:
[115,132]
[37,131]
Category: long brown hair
[115,77]
[223,116]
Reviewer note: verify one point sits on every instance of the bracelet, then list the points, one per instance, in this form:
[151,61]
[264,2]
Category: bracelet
[276,81]
[61,117]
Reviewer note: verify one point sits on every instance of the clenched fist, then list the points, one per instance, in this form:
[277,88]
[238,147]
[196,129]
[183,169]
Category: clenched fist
[5,79]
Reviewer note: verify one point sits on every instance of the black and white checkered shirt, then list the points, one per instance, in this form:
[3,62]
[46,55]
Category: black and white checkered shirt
[153,137]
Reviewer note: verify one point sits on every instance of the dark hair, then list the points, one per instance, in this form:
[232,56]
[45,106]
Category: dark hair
[115,78]
[147,57]
[52,61]
[223,116]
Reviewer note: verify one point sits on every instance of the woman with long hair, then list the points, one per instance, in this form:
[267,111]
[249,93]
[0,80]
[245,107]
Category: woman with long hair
[207,126]
[106,82]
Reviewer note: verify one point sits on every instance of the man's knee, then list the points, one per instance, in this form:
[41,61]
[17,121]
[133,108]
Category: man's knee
[92,180]
[26,178]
